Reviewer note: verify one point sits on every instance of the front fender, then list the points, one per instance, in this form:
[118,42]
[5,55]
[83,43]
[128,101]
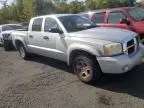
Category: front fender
[82,47]
[19,36]
[19,39]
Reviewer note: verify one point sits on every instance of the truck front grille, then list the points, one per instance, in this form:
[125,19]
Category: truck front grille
[132,45]
[6,36]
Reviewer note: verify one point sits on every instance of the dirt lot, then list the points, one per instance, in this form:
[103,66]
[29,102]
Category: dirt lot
[46,83]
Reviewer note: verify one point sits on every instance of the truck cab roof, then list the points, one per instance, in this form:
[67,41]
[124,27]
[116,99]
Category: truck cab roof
[54,15]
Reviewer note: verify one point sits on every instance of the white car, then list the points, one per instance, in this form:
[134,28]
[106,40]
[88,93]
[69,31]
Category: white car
[5,33]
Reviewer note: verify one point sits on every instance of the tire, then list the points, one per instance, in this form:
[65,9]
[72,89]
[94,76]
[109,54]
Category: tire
[87,70]
[22,51]
[6,46]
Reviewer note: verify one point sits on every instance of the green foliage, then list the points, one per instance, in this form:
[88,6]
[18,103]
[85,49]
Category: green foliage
[98,4]
[28,10]
[23,10]
[46,7]
[142,3]
[73,7]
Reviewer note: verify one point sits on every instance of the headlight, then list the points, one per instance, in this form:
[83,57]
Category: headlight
[113,49]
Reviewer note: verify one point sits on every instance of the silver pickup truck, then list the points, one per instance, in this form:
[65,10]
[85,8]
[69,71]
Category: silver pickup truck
[73,39]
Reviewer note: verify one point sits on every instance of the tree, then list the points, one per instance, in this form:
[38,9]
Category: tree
[98,4]
[72,7]
[23,10]
[28,10]
[44,7]
[76,7]
[142,3]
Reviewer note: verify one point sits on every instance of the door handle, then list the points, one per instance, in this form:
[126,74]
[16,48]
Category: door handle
[46,38]
[30,36]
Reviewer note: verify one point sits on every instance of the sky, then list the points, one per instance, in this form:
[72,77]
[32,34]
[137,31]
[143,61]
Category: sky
[9,2]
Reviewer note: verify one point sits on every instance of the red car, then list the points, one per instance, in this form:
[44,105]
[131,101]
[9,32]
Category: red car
[131,18]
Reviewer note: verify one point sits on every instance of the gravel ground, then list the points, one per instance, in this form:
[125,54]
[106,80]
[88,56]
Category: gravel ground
[46,83]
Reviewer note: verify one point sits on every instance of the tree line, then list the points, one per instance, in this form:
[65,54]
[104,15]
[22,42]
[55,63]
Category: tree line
[23,10]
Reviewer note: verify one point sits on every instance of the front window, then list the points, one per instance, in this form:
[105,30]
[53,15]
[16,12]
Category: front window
[136,13]
[115,17]
[49,24]
[74,23]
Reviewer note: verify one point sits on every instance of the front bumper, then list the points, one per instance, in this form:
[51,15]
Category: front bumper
[119,64]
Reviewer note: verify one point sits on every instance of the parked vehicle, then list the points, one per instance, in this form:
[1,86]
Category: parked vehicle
[76,40]
[131,18]
[25,24]
[5,34]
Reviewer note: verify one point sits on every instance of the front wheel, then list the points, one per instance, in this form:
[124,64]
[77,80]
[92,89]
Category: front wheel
[22,51]
[86,69]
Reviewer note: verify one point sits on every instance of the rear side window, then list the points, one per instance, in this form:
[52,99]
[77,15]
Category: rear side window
[37,24]
[114,17]
[98,17]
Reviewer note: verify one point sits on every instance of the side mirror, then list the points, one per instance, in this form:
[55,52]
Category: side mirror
[56,30]
[125,21]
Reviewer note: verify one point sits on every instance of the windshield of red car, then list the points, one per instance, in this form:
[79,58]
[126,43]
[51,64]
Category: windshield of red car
[136,13]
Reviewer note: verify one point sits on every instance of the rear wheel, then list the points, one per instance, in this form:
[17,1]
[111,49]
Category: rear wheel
[6,46]
[87,70]
[22,51]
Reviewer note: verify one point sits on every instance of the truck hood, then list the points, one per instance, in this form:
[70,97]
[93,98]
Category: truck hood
[104,33]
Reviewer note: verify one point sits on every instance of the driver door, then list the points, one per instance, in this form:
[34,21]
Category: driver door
[113,20]
[50,38]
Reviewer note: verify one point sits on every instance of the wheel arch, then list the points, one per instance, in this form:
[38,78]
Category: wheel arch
[83,49]
[18,42]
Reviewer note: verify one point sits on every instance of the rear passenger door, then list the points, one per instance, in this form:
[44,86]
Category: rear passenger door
[34,35]
[113,19]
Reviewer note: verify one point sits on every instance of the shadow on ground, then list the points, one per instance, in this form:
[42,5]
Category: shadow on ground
[51,62]
[131,83]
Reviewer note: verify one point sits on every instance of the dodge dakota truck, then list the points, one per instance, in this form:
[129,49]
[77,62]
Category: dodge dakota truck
[90,50]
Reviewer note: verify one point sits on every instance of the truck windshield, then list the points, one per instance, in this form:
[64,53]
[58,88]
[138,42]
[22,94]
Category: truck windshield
[136,13]
[11,27]
[74,23]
